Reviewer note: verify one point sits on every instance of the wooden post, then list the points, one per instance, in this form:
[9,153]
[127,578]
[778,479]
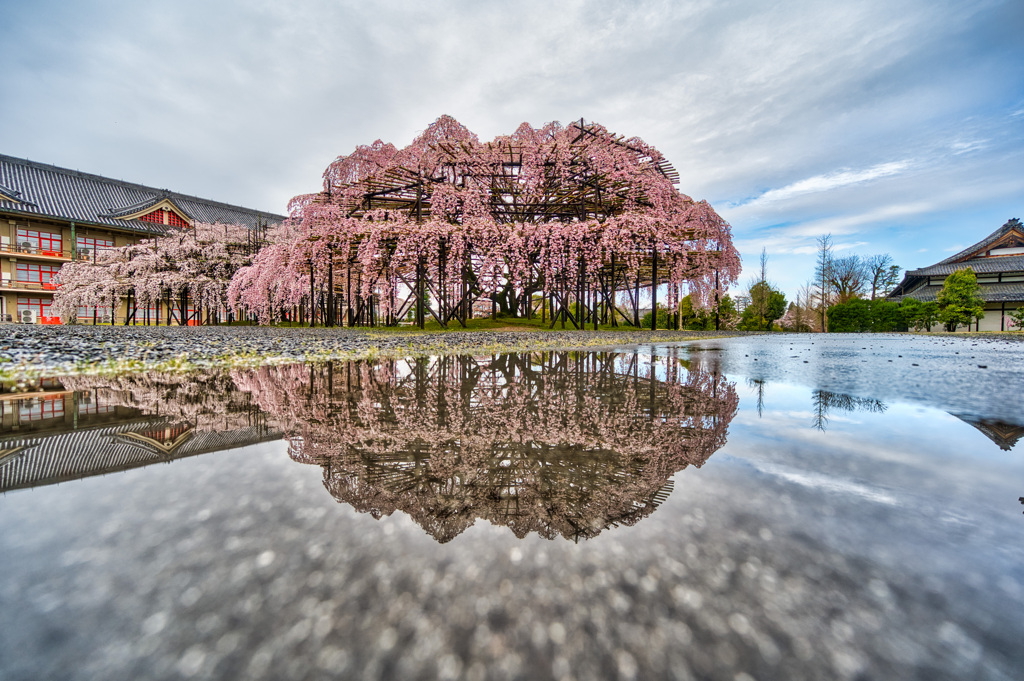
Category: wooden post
[360,309]
[348,289]
[330,289]
[636,305]
[654,288]
[717,302]
[421,290]
[611,312]
[563,301]
[312,297]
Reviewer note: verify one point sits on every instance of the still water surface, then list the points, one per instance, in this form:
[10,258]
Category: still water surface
[772,507]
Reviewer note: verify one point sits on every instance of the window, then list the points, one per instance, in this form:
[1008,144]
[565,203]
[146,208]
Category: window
[89,403]
[156,216]
[162,216]
[40,242]
[174,220]
[36,274]
[140,313]
[88,246]
[42,408]
[41,306]
[102,313]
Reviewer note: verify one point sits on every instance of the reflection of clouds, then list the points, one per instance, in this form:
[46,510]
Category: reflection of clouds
[805,416]
[911,457]
[936,372]
[827,483]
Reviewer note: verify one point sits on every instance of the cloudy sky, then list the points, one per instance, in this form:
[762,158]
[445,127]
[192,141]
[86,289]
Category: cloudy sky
[896,126]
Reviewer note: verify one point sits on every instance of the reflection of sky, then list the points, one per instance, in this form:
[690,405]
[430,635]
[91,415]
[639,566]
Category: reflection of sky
[886,546]
[908,485]
[978,376]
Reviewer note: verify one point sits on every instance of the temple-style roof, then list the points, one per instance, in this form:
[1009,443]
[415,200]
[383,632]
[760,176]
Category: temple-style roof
[1005,435]
[39,189]
[990,293]
[36,459]
[1000,253]
[1012,228]
[983,265]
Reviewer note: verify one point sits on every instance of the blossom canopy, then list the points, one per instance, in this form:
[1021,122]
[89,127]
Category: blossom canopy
[573,212]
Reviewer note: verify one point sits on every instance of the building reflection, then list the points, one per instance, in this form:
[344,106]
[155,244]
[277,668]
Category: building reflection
[66,429]
[559,443]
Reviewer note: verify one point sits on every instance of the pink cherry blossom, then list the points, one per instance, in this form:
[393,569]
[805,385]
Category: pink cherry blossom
[545,210]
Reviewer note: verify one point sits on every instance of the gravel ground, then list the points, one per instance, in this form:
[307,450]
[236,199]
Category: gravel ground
[35,349]
[40,350]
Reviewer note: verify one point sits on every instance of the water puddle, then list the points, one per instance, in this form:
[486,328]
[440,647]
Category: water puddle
[656,512]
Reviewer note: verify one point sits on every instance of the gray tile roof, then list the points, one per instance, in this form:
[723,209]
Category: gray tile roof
[990,293]
[50,191]
[988,265]
[913,279]
[11,193]
[53,457]
[1008,226]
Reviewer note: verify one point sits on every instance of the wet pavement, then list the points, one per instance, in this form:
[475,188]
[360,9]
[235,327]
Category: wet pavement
[684,513]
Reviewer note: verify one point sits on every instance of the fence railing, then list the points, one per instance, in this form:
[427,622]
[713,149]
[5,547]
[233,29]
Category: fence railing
[64,253]
[27,285]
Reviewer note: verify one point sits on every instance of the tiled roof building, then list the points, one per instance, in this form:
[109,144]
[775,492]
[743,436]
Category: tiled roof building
[56,435]
[997,261]
[51,215]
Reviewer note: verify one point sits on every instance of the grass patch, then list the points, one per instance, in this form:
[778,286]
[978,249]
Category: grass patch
[499,324]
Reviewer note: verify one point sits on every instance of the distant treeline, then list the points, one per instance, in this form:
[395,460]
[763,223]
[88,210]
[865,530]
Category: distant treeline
[881,315]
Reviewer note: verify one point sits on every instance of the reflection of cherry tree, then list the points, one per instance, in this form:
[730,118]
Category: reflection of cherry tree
[205,400]
[558,443]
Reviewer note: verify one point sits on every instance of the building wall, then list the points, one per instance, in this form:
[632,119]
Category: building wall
[13,253]
[997,317]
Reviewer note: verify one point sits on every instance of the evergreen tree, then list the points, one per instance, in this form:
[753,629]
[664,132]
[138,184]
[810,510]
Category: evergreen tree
[959,302]
[766,305]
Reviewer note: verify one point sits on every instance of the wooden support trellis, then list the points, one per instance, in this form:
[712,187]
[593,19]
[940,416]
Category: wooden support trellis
[580,295]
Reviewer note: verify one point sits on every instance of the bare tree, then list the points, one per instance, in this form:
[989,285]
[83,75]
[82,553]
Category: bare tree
[823,276]
[849,278]
[762,300]
[882,274]
[804,313]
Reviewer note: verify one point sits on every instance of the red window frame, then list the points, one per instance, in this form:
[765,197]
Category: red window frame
[41,408]
[89,403]
[140,313]
[34,273]
[156,216]
[174,220]
[93,243]
[40,305]
[162,216]
[43,242]
[101,313]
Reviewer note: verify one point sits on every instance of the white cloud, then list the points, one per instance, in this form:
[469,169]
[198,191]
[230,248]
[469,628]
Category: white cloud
[965,146]
[829,181]
[794,119]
